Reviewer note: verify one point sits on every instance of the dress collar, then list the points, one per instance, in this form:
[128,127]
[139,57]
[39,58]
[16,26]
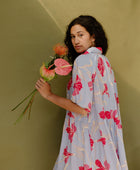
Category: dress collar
[94,50]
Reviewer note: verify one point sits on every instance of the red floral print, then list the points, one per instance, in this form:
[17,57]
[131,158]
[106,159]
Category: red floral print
[103,140]
[90,83]
[117,153]
[91,142]
[66,154]
[85,167]
[101,167]
[108,114]
[86,52]
[69,84]
[71,130]
[105,114]
[89,107]
[102,115]
[105,90]
[116,119]
[117,98]
[101,66]
[109,66]
[70,114]
[77,86]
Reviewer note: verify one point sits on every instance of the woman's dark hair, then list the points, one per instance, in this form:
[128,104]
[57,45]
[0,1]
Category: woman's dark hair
[93,27]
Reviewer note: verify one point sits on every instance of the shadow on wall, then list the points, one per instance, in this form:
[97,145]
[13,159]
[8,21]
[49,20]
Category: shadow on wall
[129,106]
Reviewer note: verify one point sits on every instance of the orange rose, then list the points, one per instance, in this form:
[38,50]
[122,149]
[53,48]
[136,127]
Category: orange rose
[60,50]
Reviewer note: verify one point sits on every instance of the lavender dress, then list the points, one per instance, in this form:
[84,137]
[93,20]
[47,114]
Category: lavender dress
[94,141]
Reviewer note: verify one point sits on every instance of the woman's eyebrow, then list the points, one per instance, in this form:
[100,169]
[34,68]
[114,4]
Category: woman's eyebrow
[78,32]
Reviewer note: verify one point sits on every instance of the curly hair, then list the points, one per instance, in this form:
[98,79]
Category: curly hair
[93,27]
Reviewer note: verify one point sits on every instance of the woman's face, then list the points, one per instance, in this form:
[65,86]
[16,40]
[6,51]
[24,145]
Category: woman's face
[80,38]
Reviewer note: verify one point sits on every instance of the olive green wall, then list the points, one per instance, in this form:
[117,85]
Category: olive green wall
[28,31]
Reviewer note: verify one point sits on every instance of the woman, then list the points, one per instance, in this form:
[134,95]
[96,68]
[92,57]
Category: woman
[92,134]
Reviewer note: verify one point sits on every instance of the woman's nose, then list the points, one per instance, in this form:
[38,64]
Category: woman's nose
[76,40]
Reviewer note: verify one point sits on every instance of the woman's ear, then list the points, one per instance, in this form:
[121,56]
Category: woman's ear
[93,40]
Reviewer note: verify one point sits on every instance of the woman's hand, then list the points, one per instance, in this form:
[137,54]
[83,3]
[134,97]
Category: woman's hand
[43,87]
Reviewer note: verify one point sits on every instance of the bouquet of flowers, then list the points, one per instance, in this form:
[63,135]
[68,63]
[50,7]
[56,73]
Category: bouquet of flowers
[48,71]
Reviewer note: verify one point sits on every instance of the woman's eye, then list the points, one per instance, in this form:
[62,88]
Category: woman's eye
[72,37]
[80,35]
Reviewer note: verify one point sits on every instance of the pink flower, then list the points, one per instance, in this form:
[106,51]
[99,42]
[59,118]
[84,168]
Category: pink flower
[62,67]
[102,115]
[71,130]
[116,120]
[85,167]
[117,99]
[66,154]
[77,86]
[70,114]
[69,84]
[90,83]
[103,140]
[101,66]
[101,167]
[105,90]
[89,107]
[119,126]
[117,153]
[108,114]
[46,74]
[109,66]
[105,114]
[91,142]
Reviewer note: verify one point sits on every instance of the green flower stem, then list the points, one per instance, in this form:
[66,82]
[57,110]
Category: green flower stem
[24,99]
[27,107]
[33,96]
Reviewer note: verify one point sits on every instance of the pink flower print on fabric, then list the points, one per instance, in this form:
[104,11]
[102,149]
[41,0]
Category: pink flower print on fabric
[99,48]
[116,119]
[86,52]
[109,66]
[89,107]
[66,154]
[71,130]
[101,66]
[91,142]
[117,153]
[85,167]
[101,167]
[77,86]
[103,140]
[69,84]
[90,83]
[105,114]
[117,98]
[70,114]
[105,90]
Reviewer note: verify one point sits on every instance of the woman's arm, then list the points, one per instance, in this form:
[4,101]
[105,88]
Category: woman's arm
[45,91]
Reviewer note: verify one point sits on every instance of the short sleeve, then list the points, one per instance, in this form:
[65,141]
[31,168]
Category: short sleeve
[82,81]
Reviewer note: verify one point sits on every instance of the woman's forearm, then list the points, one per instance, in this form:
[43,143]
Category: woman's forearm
[66,104]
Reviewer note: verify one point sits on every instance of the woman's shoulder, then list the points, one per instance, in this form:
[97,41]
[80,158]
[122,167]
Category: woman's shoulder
[89,58]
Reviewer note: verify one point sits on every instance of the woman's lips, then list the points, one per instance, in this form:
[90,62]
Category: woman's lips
[77,47]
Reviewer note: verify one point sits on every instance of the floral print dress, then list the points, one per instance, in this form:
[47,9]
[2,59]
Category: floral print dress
[94,141]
